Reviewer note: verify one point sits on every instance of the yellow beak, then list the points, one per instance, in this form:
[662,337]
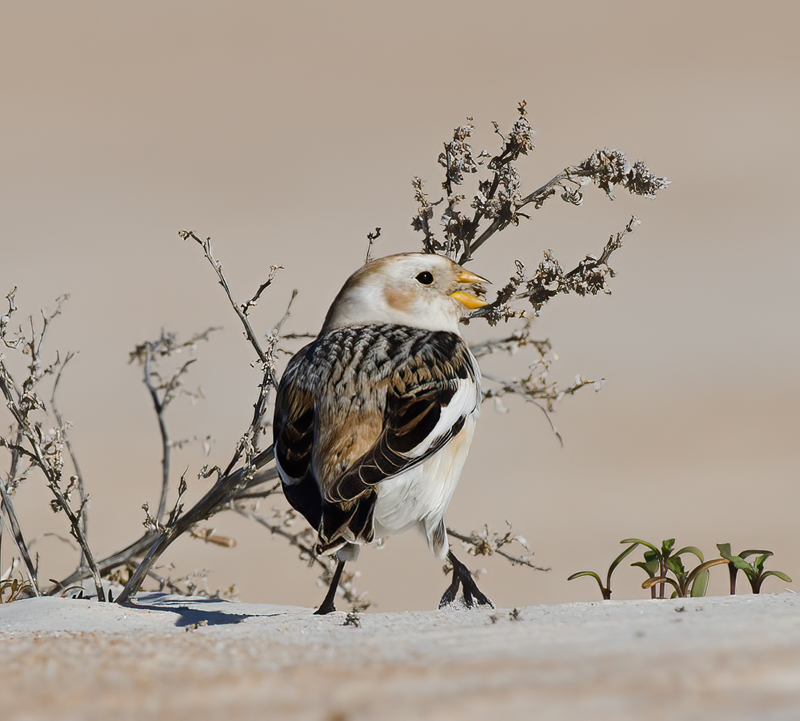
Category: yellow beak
[472,302]
[467,276]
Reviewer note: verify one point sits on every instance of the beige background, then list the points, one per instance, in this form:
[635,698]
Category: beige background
[287,132]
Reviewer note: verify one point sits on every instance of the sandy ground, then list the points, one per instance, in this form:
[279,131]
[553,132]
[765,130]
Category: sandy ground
[724,657]
[288,131]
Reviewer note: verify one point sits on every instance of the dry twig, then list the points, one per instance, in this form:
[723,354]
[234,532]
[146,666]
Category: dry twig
[498,203]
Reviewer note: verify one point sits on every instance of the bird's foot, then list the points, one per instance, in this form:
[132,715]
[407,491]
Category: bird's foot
[325,609]
[327,606]
[473,596]
[449,596]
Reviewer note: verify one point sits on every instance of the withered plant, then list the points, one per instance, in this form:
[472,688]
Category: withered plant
[37,440]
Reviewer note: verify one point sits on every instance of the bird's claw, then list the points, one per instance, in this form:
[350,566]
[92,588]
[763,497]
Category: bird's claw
[473,596]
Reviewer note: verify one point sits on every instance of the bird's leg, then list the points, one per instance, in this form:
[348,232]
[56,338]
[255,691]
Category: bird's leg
[327,605]
[461,575]
[451,591]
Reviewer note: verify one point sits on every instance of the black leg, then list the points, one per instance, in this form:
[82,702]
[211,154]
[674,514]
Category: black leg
[472,594]
[327,605]
[451,591]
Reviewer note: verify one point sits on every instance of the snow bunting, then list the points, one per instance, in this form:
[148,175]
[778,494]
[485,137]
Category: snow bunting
[374,418]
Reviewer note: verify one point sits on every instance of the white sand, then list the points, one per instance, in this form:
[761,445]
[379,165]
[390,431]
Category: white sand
[724,657]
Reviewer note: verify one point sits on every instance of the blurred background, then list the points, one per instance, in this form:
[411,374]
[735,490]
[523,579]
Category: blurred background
[288,131]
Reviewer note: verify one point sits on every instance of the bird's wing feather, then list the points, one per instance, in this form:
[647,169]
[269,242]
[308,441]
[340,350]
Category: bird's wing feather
[405,394]
[293,430]
[428,400]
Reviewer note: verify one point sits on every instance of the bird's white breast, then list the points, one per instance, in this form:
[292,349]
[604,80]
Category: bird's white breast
[420,496]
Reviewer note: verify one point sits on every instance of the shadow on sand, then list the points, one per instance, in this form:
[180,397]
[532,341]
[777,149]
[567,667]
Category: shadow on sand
[190,612]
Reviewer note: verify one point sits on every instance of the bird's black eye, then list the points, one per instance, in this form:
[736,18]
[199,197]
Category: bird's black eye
[425,277]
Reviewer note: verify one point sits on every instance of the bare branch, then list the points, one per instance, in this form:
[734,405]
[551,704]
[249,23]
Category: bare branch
[371,238]
[19,540]
[213,501]
[239,310]
[122,558]
[228,486]
[498,201]
[164,431]
[84,498]
[589,277]
[487,543]
[46,454]
[273,271]
[163,390]
[230,482]
[44,448]
[421,220]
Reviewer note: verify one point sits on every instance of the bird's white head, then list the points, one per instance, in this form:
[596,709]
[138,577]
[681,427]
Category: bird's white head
[420,290]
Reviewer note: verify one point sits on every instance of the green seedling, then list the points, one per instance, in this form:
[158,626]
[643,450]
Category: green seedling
[754,571]
[606,590]
[660,562]
[664,566]
[687,582]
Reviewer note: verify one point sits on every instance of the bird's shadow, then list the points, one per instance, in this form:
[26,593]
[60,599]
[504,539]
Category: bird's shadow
[193,616]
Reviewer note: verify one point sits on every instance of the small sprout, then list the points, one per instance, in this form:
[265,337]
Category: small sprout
[754,571]
[665,566]
[606,590]
[697,577]
[352,619]
[658,563]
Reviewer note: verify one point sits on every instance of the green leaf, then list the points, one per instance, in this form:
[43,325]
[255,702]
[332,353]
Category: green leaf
[660,579]
[605,592]
[649,567]
[641,542]
[758,564]
[741,564]
[667,546]
[724,549]
[618,560]
[700,585]
[652,556]
[585,573]
[691,549]
[779,574]
[755,551]
[700,576]
[675,565]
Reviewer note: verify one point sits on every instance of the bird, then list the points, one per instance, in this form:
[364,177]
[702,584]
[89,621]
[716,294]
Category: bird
[374,418]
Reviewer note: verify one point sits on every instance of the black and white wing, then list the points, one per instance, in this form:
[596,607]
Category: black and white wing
[363,404]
